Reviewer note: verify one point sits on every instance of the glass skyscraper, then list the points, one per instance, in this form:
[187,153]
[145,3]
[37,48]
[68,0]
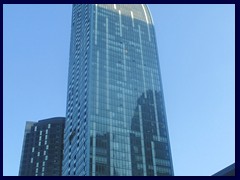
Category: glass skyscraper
[116,121]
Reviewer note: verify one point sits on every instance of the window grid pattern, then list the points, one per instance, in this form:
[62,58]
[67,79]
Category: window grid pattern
[116,120]
[42,148]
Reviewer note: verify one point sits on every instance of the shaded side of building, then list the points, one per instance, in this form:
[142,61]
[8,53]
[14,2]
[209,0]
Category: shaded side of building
[42,150]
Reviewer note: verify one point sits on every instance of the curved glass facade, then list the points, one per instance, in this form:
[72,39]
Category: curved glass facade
[116,120]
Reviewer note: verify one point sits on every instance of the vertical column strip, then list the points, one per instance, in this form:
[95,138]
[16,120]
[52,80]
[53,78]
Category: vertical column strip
[142,141]
[147,22]
[143,71]
[97,79]
[107,62]
[124,62]
[94,150]
[155,107]
[128,134]
[108,108]
[153,158]
[96,23]
[120,22]
[132,19]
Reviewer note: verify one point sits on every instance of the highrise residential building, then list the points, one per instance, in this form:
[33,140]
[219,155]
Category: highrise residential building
[42,151]
[116,122]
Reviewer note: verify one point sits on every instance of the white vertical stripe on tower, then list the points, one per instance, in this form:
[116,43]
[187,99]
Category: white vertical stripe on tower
[143,72]
[153,158]
[97,79]
[120,22]
[111,124]
[124,109]
[147,22]
[115,6]
[96,23]
[94,150]
[142,141]
[124,62]
[132,19]
[126,127]
[155,107]
[107,62]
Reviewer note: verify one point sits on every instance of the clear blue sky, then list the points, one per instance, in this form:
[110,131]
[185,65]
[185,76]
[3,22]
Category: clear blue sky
[197,56]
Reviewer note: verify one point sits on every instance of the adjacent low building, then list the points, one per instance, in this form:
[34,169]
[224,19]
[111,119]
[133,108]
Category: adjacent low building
[228,171]
[42,150]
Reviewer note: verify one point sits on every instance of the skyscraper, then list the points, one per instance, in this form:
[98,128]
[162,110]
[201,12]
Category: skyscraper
[42,150]
[116,121]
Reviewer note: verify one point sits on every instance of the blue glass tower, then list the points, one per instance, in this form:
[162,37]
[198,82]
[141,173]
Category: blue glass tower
[116,120]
